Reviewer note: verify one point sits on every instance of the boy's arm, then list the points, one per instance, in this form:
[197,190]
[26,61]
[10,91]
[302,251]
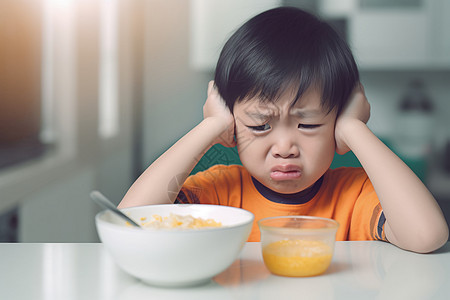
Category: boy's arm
[414,220]
[162,180]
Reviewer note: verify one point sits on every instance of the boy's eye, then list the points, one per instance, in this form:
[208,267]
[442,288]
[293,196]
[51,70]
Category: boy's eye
[308,126]
[264,127]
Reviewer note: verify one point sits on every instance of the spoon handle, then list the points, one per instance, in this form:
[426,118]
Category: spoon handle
[105,203]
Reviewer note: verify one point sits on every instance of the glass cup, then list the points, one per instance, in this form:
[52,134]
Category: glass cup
[297,246]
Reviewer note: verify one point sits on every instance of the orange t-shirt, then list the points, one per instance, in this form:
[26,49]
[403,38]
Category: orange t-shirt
[344,194]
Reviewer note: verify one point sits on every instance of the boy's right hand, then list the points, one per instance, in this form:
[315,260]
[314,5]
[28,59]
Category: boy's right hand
[216,109]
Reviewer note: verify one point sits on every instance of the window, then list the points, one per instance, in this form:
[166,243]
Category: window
[20,82]
[38,91]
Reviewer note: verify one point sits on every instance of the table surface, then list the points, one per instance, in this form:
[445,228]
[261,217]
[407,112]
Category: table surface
[359,270]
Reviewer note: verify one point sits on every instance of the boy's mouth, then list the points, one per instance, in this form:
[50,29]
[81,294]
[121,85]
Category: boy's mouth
[285,172]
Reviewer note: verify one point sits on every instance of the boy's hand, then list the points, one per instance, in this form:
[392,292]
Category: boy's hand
[357,109]
[216,108]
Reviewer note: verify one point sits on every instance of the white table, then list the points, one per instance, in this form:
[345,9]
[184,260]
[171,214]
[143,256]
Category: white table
[359,270]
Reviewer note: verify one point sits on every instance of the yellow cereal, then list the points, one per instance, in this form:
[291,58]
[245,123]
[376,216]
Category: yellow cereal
[180,222]
[157,218]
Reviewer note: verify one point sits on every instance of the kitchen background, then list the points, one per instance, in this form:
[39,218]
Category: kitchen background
[92,91]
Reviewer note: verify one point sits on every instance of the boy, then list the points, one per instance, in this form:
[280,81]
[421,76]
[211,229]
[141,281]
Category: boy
[287,88]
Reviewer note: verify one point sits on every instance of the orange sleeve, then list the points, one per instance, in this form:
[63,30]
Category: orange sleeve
[198,188]
[220,185]
[368,219]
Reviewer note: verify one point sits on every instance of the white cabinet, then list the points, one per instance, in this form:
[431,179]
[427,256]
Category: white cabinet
[395,34]
[383,34]
[213,21]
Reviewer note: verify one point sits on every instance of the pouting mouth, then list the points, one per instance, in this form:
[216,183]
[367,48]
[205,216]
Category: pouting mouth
[285,168]
[285,172]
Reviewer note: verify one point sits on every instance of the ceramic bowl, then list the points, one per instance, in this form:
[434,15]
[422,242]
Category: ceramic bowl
[175,257]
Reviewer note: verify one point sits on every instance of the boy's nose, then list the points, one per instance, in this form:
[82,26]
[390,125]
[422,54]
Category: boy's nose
[285,147]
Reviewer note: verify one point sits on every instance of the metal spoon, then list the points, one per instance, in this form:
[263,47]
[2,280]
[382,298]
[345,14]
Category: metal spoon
[105,203]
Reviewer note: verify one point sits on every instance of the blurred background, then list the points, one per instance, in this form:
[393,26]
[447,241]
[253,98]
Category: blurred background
[92,91]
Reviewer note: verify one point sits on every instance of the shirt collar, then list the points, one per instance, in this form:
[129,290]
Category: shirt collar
[295,198]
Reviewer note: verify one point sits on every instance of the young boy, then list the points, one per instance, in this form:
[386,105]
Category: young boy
[287,92]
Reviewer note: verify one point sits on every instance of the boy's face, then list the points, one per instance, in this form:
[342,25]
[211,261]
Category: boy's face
[287,148]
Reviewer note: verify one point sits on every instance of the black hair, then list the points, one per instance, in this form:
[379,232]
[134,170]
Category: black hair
[284,48]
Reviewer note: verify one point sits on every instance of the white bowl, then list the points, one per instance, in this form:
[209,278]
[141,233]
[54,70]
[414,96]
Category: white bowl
[173,257]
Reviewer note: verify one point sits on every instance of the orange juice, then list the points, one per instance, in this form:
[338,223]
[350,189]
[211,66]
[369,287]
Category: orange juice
[297,258]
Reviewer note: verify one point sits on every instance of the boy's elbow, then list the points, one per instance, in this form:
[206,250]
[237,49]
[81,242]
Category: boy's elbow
[440,239]
[432,240]
[426,240]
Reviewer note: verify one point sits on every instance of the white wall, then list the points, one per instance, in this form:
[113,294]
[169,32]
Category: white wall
[173,93]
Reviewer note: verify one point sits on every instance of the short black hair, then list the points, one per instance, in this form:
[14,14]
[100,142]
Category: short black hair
[282,48]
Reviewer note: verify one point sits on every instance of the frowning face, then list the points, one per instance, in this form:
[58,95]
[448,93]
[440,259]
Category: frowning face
[285,147]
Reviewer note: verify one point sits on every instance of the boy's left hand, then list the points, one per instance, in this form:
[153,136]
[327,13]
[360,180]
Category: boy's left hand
[357,109]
